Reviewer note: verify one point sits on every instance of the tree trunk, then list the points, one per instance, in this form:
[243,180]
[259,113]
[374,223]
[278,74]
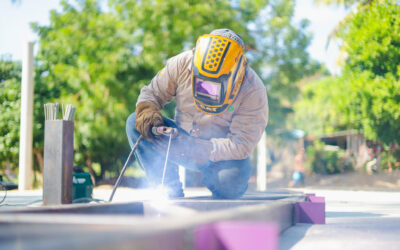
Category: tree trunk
[92,174]
[39,157]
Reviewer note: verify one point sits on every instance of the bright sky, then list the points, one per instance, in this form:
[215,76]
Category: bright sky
[15,29]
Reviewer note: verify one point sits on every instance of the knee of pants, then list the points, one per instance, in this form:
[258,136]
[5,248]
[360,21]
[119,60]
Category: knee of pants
[230,184]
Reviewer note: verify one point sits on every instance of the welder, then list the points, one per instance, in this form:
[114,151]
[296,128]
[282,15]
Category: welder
[221,113]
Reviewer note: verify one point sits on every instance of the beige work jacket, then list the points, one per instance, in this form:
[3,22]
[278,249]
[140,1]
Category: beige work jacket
[235,133]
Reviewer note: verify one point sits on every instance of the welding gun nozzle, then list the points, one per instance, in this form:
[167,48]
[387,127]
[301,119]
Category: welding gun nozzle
[162,130]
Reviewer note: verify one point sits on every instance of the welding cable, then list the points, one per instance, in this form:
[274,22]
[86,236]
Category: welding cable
[20,204]
[2,204]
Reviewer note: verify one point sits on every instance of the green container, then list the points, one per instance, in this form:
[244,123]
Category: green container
[82,187]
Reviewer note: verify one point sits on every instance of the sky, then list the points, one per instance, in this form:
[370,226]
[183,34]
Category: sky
[15,29]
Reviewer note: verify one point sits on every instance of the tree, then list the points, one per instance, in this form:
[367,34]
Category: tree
[346,3]
[10,99]
[374,106]
[99,60]
[373,45]
[372,68]
[366,96]
[85,59]
[355,5]
[281,59]
[320,110]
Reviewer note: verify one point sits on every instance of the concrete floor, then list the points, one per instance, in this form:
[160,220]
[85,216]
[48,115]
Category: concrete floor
[354,220]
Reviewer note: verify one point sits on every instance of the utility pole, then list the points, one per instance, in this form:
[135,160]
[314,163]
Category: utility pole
[262,163]
[25,136]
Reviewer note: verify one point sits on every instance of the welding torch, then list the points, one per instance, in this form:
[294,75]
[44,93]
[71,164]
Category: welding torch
[163,130]
[157,131]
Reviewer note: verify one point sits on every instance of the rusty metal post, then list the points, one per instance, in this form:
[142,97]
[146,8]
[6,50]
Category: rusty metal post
[58,162]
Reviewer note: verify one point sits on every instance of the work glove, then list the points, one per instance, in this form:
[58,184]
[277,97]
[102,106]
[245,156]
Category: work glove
[147,116]
[185,146]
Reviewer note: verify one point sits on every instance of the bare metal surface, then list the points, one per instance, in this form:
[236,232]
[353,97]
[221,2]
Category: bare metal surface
[58,162]
[135,225]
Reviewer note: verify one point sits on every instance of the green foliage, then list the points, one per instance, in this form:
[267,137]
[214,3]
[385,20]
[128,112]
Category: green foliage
[346,3]
[375,106]
[161,29]
[98,60]
[372,40]
[281,59]
[320,111]
[367,95]
[85,56]
[322,161]
[10,99]
[390,160]
[372,70]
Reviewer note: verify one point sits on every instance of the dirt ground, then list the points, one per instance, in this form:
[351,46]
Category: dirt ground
[382,181]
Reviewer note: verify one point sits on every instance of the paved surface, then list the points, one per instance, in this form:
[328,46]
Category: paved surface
[354,220]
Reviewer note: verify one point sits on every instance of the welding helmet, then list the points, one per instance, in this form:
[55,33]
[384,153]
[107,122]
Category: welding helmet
[218,70]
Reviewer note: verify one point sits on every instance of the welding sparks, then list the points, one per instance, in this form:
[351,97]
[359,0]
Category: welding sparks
[159,197]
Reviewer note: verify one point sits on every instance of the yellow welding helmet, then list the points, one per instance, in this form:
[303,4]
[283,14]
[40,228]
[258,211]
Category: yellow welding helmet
[219,66]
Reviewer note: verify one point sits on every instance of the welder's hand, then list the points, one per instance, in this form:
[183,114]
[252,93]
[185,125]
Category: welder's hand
[147,116]
[192,148]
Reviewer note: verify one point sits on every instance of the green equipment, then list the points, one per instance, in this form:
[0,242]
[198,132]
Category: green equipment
[82,186]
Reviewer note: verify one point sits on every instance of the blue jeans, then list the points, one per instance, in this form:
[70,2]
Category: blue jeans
[225,179]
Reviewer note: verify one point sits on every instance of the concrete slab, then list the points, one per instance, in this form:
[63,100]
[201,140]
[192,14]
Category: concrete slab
[354,220]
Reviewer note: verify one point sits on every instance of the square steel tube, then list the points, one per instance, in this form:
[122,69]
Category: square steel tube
[58,162]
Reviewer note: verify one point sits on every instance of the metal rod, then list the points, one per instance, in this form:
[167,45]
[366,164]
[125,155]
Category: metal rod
[56,113]
[166,159]
[124,168]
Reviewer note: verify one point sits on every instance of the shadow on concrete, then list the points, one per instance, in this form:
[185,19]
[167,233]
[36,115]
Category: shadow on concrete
[351,214]
[291,236]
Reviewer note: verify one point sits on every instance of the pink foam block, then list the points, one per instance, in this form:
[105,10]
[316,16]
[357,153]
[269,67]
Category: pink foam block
[315,199]
[311,211]
[234,235]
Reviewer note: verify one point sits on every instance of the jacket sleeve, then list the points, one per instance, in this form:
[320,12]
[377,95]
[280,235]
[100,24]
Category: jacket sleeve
[162,87]
[247,126]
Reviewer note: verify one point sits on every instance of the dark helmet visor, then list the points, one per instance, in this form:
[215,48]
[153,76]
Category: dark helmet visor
[208,90]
